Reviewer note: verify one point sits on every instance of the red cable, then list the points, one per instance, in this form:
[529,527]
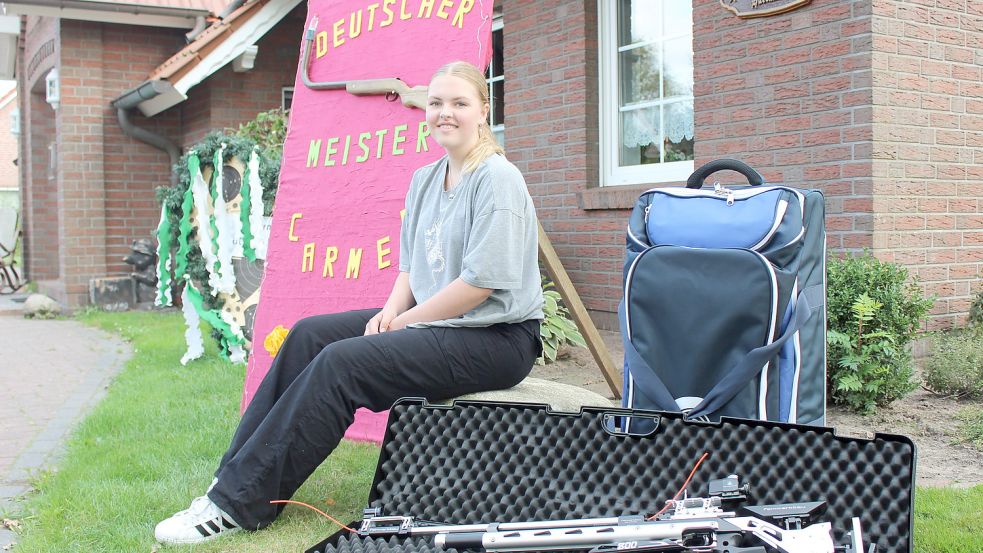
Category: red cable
[683,488]
[686,483]
[326,515]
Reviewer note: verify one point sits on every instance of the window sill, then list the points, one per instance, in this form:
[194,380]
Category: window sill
[616,197]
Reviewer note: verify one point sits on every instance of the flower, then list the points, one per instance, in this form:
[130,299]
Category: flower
[275,339]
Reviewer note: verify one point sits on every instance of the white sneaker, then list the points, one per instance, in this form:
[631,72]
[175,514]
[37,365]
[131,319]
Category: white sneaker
[200,522]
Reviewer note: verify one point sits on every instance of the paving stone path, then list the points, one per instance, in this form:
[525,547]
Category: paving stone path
[51,373]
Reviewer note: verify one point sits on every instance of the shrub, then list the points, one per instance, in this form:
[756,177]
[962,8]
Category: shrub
[976,310]
[557,328]
[901,310]
[864,366]
[971,425]
[956,365]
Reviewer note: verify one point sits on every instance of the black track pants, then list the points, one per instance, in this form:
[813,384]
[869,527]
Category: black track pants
[325,370]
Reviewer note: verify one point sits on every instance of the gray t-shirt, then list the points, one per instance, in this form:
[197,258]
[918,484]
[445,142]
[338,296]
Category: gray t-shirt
[484,230]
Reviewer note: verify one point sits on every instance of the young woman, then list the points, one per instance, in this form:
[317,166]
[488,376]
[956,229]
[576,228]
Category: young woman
[462,317]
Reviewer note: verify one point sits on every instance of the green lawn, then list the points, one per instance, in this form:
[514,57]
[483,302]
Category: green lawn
[949,520]
[152,445]
[153,442]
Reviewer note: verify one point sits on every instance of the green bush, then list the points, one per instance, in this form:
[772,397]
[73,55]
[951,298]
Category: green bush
[902,308]
[557,328]
[971,425]
[268,130]
[976,310]
[864,366]
[956,365]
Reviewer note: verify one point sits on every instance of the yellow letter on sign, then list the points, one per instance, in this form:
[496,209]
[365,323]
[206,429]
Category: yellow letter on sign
[354,262]
[307,264]
[293,219]
[463,8]
[330,256]
[382,252]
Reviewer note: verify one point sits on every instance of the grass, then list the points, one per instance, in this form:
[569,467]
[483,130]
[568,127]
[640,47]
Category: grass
[152,444]
[949,520]
[971,425]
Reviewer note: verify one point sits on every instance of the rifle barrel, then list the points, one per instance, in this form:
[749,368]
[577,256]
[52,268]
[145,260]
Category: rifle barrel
[574,538]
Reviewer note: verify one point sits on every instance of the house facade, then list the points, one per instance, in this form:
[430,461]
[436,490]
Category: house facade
[879,104]
[88,187]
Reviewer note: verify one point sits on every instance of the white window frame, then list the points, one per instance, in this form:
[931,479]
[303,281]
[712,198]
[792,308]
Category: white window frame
[612,174]
[497,130]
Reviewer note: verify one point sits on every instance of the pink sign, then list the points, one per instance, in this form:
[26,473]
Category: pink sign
[348,160]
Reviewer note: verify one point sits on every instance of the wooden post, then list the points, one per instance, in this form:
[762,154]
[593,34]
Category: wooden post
[570,297]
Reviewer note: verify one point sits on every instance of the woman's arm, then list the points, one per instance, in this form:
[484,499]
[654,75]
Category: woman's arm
[400,299]
[456,299]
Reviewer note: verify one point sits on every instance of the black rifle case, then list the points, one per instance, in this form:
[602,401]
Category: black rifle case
[483,462]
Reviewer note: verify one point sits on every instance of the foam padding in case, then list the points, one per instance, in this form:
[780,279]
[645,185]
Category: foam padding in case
[479,462]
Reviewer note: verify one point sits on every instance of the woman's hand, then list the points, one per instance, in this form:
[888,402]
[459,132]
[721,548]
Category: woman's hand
[400,299]
[381,322]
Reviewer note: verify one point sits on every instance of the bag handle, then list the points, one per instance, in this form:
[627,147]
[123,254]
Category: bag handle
[695,180]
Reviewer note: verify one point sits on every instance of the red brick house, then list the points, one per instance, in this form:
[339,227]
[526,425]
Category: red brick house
[878,103]
[87,185]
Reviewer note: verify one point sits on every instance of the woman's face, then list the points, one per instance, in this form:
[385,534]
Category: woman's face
[454,113]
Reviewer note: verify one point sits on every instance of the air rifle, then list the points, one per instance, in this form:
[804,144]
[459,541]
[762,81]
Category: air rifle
[414,97]
[693,525]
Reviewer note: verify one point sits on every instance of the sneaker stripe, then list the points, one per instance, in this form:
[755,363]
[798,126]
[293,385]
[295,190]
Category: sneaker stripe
[204,531]
[227,523]
[214,527]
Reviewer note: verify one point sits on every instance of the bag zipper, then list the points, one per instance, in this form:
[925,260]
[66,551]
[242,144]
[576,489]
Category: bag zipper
[729,196]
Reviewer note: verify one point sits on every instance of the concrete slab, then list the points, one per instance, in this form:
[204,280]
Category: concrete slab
[12,304]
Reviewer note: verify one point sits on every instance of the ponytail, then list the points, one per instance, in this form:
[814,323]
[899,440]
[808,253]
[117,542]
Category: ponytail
[487,146]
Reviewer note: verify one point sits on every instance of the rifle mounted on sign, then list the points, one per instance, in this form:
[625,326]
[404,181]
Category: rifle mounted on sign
[393,88]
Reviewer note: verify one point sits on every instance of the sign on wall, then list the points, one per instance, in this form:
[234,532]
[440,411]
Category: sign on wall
[761,8]
[348,160]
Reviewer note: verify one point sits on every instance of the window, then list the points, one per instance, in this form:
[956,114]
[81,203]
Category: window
[646,91]
[495,76]
[286,98]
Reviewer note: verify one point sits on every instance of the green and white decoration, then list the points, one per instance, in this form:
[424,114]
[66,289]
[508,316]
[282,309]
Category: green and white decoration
[195,218]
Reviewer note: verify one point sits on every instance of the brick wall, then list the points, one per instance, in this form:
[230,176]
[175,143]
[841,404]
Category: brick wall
[81,193]
[39,213]
[133,170]
[877,104]
[39,219]
[791,96]
[928,146]
[196,115]
[551,135]
[228,99]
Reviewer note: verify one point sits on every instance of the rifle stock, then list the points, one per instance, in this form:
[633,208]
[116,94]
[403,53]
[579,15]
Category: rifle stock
[413,97]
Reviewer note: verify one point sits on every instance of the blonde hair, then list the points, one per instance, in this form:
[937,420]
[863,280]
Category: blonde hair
[487,146]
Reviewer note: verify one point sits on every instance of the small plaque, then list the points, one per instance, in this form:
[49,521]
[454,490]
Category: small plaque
[747,9]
